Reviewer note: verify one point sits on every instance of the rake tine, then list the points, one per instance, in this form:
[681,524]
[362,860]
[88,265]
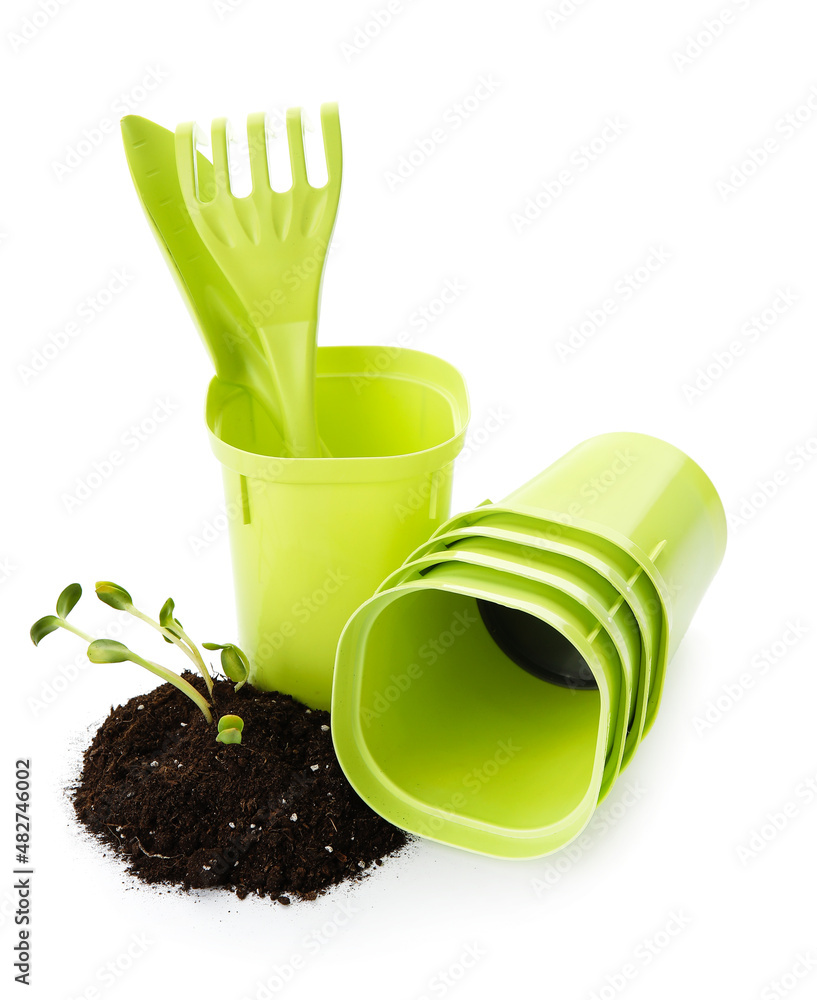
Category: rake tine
[295,139]
[332,147]
[257,141]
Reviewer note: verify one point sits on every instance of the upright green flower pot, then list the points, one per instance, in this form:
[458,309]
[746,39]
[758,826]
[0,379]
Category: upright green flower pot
[316,536]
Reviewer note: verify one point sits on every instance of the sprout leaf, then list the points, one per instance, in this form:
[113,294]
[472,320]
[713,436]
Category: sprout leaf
[229,736]
[113,595]
[43,627]
[168,620]
[234,662]
[166,614]
[230,722]
[108,651]
[230,728]
[67,600]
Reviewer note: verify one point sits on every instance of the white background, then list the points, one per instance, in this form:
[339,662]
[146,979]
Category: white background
[562,926]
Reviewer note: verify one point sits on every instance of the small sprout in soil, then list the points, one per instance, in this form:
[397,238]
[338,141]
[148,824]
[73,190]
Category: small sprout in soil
[234,662]
[230,728]
[66,602]
[109,651]
[168,621]
[168,626]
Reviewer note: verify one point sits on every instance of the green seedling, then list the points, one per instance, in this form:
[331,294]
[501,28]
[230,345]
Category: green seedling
[109,651]
[234,662]
[106,650]
[66,602]
[230,728]
[168,626]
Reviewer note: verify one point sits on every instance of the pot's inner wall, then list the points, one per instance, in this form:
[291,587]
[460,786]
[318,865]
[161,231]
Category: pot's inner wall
[456,724]
[376,415]
[360,415]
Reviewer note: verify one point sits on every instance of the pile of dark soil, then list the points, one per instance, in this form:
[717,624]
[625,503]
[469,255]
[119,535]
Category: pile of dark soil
[273,816]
